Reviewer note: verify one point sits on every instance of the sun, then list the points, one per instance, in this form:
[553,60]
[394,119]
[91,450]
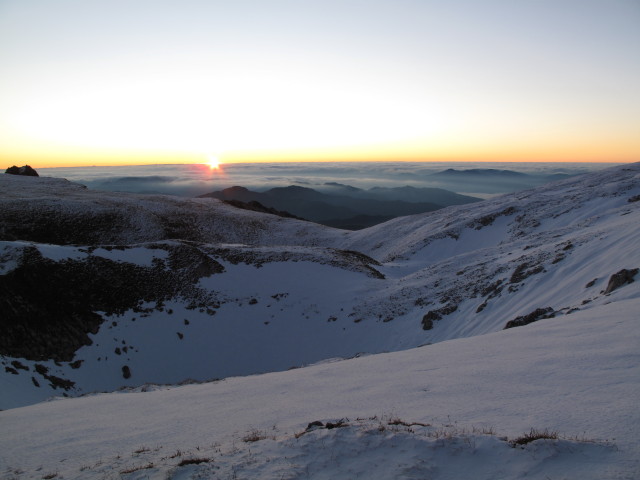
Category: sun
[213,162]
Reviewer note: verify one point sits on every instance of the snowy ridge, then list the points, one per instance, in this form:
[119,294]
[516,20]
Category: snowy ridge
[51,210]
[572,203]
[211,292]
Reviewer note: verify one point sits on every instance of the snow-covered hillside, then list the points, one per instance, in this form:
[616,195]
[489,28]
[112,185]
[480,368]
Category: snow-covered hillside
[103,290]
[446,411]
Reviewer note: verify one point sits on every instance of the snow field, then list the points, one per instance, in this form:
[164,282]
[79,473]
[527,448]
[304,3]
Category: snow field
[578,376]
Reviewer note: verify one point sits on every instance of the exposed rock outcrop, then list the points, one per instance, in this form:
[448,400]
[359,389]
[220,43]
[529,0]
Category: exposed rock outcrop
[25,170]
[48,308]
[537,314]
[617,280]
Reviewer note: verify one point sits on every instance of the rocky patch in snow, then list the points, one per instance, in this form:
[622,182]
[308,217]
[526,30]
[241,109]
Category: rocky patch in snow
[537,314]
[617,280]
[49,307]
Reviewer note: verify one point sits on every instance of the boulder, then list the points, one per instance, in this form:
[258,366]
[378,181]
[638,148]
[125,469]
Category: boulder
[25,170]
[617,280]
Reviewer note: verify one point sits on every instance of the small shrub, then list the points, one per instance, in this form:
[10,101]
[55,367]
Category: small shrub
[339,424]
[177,454]
[483,430]
[254,436]
[398,421]
[534,435]
[136,468]
[193,461]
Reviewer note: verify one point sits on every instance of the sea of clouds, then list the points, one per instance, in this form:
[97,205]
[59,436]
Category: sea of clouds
[193,180]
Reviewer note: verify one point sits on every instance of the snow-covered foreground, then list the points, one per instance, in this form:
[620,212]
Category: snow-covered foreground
[100,291]
[578,375]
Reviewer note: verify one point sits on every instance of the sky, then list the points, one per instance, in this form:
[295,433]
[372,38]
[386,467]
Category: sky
[89,82]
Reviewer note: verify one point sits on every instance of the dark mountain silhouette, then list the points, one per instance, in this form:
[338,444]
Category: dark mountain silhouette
[492,172]
[258,207]
[491,181]
[346,206]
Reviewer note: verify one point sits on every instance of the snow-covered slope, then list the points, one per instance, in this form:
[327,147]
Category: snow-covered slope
[282,293]
[445,411]
[481,265]
[101,290]
[53,210]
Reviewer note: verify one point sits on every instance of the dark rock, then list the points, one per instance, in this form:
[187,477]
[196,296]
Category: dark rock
[447,309]
[11,370]
[433,315]
[19,365]
[25,170]
[427,323]
[617,280]
[489,219]
[76,364]
[354,257]
[180,335]
[591,283]
[492,290]
[537,314]
[339,424]
[35,382]
[56,382]
[41,369]
[635,198]
[523,271]
[315,424]
[421,302]
[126,372]
[429,318]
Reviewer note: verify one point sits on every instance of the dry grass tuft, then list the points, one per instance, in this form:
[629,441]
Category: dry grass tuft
[255,436]
[534,435]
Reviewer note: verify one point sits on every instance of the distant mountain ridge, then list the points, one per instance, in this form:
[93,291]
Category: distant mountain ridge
[344,206]
[491,181]
[480,172]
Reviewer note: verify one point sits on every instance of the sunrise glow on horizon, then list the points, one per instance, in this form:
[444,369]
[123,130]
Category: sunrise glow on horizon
[114,83]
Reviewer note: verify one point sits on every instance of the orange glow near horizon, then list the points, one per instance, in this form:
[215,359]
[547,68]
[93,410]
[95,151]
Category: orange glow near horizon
[473,153]
[110,159]
[451,81]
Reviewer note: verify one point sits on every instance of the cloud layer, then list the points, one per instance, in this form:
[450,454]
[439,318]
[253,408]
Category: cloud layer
[192,180]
